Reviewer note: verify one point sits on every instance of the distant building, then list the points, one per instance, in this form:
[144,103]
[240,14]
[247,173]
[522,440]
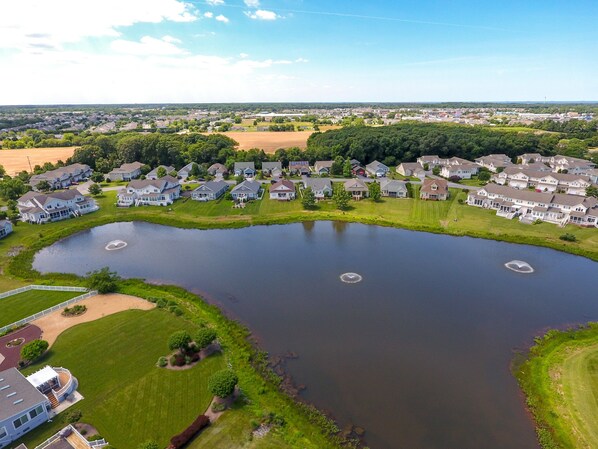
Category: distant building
[434,189]
[5,228]
[321,187]
[154,173]
[247,190]
[62,177]
[245,169]
[299,168]
[210,191]
[126,172]
[150,192]
[411,169]
[377,169]
[35,207]
[283,190]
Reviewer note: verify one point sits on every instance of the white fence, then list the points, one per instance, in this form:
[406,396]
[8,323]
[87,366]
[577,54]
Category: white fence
[51,309]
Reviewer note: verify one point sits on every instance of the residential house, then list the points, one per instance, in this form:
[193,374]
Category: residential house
[62,177]
[464,170]
[245,169]
[356,168]
[532,158]
[530,206]
[126,172]
[357,188]
[246,190]
[283,190]
[299,168]
[35,207]
[593,175]
[217,169]
[273,169]
[323,168]
[431,161]
[150,192]
[572,165]
[69,438]
[5,228]
[393,188]
[494,162]
[185,172]
[209,191]
[377,169]
[153,175]
[22,406]
[321,187]
[434,189]
[411,169]
[521,178]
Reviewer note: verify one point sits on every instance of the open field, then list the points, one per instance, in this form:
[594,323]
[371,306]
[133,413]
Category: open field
[269,141]
[15,161]
[126,396]
[22,305]
[560,379]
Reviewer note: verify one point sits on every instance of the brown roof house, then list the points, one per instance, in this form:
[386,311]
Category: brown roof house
[356,188]
[434,189]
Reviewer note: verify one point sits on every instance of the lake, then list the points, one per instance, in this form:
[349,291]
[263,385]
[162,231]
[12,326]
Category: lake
[417,353]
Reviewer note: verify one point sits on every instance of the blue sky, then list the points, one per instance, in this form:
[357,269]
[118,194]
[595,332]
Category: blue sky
[117,51]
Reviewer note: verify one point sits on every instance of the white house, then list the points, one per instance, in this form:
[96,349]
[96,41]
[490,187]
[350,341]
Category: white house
[153,175]
[462,170]
[39,208]
[393,189]
[272,168]
[573,165]
[377,169]
[411,169]
[185,172]
[211,190]
[62,177]
[283,190]
[126,172]
[5,228]
[432,161]
[246,190]
[150,192]
[494,162]
[520,178]
[245,169]
[321,187]
[323,167]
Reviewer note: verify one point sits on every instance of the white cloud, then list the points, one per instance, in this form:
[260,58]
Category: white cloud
[147,46]
[208,14]
[222,19]
[252,3]
[171,40]
[215,2]
[49,25]
[243,55]
[262,14]
[301,60]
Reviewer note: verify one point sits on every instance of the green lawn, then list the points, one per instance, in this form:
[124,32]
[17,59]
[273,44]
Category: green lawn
[16,307]
[560,379]
[127,397]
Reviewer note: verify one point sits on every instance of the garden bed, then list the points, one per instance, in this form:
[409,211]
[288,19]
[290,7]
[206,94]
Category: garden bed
[76,310]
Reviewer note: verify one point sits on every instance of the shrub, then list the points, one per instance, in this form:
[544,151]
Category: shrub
[162,362]
[161,303]
[95,437]
[568,237]
[34,349]
[73,416]
[222,383]
[185,436]
[454,179]
[151,444]
[195,357]
[204,337]
[176,310]
[179,340]
[177,360]
[104,280]
[218,407]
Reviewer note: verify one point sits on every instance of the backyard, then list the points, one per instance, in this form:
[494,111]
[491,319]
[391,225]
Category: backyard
[19,306]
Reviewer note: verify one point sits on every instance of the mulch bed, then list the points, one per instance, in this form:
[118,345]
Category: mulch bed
[13,355]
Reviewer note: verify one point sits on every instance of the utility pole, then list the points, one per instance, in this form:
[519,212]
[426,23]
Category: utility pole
[30,169]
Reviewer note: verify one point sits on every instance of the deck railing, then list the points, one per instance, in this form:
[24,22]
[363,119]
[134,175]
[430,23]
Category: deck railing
[49,310]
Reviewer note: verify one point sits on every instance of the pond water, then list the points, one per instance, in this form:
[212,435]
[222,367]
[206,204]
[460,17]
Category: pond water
[418,352]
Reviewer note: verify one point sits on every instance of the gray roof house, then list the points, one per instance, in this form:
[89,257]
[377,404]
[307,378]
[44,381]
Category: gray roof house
[299,168]
[217,169]
[377,169]
[63,176]
[246,169]
[22,406]
[5,228]
[247,190]
[150,192]
[357,188]
[321,187]
[211,190]
[323,167]
[126,172]
[184,172]
[35,207]
[154,173]
[393,188]
[411,169]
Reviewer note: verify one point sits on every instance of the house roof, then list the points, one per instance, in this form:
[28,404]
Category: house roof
[392,185]
[17,394]
[283,185]
[355,184]
[212,186]
[564,177]
[317,183]
[525,195]
[323,164]
[159,183]
[375,166]
[252,186]
[244,165]
[412,166]
[271,165]
[441,186]
[42,376]
[128,168]
[169,169]
[217,167]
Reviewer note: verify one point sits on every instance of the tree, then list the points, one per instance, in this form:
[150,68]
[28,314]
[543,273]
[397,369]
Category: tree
[204,337]
[95,189]
[374,191]
[97,177]
[34,349]
[2,171]
[222,383]
[104,280]
[161,172]
[309,199]
[43,186]
[174,173]
[484,176]
[592,191]
[426,166]
[13,188]
[195,171]
[347,168]
[150,444]
[179,340]
[341,197]
[337,166]
[436,170]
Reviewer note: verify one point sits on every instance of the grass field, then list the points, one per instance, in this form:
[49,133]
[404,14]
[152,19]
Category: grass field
[560,379]
[126,396]
[16,307]
[15,161]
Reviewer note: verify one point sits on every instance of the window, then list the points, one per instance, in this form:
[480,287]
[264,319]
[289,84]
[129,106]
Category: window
[19,422]
[3,433]
[36,411]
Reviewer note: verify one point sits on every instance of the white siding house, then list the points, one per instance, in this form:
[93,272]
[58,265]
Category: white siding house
[150,192]
[39,208]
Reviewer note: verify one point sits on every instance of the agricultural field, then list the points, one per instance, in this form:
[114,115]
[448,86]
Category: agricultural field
[15,161]
[269,141]
[16,307]
[127,397]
